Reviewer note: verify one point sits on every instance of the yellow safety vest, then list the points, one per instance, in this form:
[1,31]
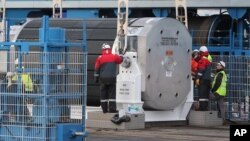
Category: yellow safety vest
[26,80]
[223,87]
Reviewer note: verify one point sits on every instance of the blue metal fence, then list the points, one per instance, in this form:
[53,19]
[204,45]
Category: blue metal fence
[57,96]
[43,91]
[238,86]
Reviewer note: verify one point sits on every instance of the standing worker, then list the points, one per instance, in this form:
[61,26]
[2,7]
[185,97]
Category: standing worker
[203,81]
[219,88]
[105,71]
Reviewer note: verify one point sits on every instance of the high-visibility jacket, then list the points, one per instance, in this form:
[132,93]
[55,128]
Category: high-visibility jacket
[26,81]
[222,89]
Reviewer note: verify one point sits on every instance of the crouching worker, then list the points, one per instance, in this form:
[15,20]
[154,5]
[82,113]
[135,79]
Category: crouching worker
[26,81]
[105,71]
[219,88]
[26,87]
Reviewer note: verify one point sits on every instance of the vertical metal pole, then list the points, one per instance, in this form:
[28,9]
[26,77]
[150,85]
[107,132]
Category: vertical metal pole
[84,78]
[84,34]
[230,40]
[18,89]
[240,34]
[7,30]
[233,41]
[44,30]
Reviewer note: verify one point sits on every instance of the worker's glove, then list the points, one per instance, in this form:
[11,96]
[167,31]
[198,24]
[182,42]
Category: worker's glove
[121,56]
[126,62]
[9,78]
[197,82]
[96,77]
[212,75]
[211,95]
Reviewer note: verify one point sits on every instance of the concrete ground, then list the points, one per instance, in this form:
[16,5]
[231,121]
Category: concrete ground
[168,133]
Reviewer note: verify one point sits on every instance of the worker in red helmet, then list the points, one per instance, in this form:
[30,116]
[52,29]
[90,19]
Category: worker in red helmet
[105,72]
[203,80]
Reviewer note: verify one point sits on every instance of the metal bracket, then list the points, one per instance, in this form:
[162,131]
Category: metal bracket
[182,6]
[122,26]
[57,8]
[77,133]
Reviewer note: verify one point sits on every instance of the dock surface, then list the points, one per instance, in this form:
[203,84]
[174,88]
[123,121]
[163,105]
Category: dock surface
[169,133]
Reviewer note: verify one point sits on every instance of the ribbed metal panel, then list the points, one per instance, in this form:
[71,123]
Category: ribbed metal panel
[96,29]
[98,32]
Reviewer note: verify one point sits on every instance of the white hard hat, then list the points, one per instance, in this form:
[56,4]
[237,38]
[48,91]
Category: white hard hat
[106,46]
[203,49]
[223,64]
[196,50]
[16,61]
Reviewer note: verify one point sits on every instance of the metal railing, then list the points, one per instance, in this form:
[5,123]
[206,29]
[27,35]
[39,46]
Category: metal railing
[42,95]
[221,40]
[43,87]
[238,87]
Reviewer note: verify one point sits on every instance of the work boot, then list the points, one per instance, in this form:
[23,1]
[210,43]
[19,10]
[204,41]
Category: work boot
[115,119]
[112,107]
[125,118]
[203,106]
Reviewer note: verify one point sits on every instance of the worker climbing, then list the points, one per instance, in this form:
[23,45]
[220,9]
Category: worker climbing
[105,71]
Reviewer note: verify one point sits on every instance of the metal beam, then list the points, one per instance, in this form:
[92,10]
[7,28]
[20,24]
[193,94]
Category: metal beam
[133,3]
